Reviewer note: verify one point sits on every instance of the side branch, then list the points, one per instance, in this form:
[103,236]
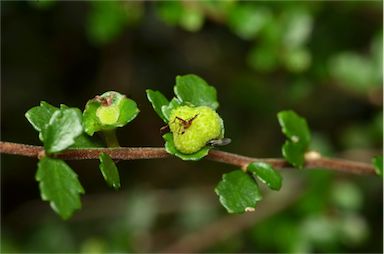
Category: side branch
[137,153]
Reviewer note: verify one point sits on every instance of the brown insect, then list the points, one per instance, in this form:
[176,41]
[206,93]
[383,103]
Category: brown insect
[185,124]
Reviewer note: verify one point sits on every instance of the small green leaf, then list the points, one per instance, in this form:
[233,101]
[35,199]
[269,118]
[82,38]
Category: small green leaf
[59,185]
[157,100]
[109,170]
[39,116]
[62,130]
[238,192]
[63,106]
[128,111]
[294,153]
[294,127]
[297,131]
[171,149]
[354,71]
[192,19]
[248,20]
[167,109]
[90,122]
[108,111]
[192,89]
[266,173]
[108,19]
[85,141]
[378,164]
[170,12]
[297,60]
[263,57]
[297,27]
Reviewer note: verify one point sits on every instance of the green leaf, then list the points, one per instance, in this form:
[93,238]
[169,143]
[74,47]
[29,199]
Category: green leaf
[169,11]
[192,19]
[294,153]
[266,173]
[62,130]
[59,185]
[39,116]
[263,57]
[247,20]
[157,100]
[167,109]
[238,192]
[378,164]
[85,141]
[171,149]
[354,72]
[297,28]
[297,131]
[297,60]
[192,89]
[108,19]
[90,121]
[294,127]
[175,13]
[128,111]
[109,171]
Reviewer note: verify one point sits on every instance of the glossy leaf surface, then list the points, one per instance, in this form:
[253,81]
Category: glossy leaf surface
[63,128]
[191,89]
[238,192]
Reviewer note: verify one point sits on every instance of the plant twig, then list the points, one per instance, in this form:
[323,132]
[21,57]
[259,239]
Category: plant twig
[137,153]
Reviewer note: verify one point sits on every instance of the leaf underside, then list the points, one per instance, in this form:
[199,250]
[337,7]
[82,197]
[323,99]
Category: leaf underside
[266,173]
[109,170]
[58,184]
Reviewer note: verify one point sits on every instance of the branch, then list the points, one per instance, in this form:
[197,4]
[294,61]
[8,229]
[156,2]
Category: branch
[312,161]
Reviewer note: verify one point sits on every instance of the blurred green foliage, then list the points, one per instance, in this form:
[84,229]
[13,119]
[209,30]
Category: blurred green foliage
[323,59]
[108,19]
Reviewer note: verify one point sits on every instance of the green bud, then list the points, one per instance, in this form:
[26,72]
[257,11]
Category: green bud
[108,115]
[193,127]
[107,112]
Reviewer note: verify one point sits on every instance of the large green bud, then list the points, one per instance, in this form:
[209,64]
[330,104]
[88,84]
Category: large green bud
[193,127]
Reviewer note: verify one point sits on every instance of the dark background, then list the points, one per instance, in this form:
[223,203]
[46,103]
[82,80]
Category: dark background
[321,59]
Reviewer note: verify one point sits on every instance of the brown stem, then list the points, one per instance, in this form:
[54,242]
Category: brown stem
[137,153]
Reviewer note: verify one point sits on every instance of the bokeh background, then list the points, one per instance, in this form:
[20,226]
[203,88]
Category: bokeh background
[321,59]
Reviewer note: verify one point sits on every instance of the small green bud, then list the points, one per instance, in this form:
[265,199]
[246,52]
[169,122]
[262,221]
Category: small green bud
[108,114]
[108,111]
[193,127]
